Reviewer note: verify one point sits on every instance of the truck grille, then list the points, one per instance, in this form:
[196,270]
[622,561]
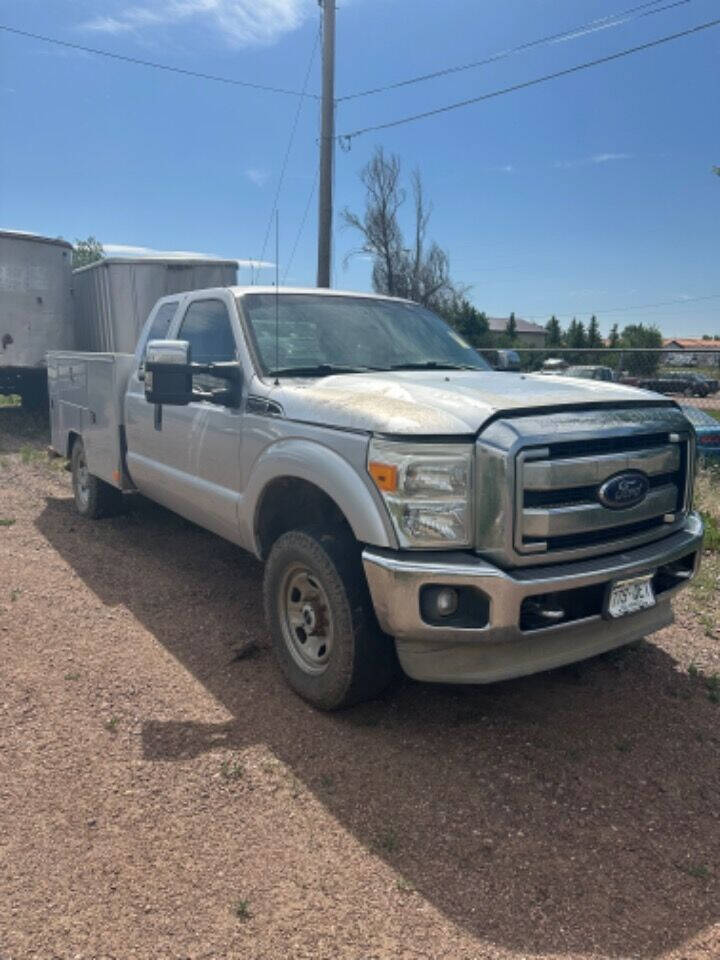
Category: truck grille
[557,506]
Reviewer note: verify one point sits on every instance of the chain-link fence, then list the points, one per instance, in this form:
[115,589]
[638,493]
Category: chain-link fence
[691,377]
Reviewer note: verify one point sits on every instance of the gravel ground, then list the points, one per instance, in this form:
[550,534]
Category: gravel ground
[164,795]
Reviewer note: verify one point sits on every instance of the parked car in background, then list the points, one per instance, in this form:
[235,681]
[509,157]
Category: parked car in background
[687,384]
[554,365]
[711,382]
[590,372]
[506,360]
[707,429]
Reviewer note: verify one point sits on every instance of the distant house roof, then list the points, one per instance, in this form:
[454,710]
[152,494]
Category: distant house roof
[692,343]
[499,325]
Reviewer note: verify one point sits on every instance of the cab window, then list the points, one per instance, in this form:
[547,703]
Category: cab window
[207,328]
[158,330]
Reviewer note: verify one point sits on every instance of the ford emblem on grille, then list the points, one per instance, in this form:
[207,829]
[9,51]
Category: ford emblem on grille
[624,490]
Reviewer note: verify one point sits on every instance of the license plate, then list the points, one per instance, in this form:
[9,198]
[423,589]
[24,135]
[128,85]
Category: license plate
[629,596]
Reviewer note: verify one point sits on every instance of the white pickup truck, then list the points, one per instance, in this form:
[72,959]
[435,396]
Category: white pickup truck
[409,503]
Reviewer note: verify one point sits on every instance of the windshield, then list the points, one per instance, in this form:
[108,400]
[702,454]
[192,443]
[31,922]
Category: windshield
[320,335]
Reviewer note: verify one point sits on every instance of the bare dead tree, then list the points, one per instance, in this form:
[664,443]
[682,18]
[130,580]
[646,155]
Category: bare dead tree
[415,272]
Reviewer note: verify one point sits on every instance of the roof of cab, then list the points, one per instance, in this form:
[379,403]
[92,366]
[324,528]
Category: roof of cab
[319,291]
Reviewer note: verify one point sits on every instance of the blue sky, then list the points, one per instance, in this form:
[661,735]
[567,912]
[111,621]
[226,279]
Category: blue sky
[589,193]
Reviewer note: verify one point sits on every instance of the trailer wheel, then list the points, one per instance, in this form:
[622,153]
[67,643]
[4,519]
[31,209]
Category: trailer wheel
[326,639]
[93,497]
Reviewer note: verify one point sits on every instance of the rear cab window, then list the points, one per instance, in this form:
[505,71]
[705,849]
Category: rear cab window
[157,330]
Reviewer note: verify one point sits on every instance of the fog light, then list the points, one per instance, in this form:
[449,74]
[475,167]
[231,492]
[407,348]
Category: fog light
[443,602]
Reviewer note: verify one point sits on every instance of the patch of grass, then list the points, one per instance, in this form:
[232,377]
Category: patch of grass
[112,724]
[327,782]
[388,841]
[699,871]
[711,540]
[241,909]
[231,770]
[71,676]
[30,454]
[402,884]
[14,594]
[13,400]
[623,746]
[711,682]
[6,522]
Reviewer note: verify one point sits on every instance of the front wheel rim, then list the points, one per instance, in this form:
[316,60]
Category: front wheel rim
[306,619]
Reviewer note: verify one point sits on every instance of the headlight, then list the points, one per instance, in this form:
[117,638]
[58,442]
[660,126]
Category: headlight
[427,489]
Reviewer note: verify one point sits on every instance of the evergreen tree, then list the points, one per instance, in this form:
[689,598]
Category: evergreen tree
[511,328]
[593,334]
[614,338]
[470,323]
[576,336]
[554,336]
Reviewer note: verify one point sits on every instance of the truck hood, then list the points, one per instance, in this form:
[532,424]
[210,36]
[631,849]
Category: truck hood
[435,401]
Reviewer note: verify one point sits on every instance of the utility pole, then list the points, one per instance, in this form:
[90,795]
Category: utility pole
[327,144]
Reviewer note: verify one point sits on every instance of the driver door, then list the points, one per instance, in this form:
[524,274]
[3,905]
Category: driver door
[201,442]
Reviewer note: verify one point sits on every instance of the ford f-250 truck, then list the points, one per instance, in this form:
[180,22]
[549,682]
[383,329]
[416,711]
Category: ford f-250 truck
[408,502]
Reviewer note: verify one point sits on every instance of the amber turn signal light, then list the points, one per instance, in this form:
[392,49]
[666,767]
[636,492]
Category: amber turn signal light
[384,475]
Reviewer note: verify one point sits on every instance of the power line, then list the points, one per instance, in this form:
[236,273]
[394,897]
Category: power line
[345,139]
[290,142]
[155,65]
[642,306]
[301,227]
[601,23]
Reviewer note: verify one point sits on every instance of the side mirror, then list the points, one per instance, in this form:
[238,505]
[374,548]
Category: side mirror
[168,373]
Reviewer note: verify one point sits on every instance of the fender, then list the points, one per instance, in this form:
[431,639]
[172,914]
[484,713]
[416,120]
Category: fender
[315,463]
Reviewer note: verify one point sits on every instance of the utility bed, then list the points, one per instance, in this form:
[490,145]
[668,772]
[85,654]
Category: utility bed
[86,399]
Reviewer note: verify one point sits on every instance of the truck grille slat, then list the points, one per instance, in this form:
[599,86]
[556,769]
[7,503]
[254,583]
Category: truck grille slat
[557,503]
[574,472]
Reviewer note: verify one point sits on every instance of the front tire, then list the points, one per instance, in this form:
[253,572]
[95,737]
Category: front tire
[93,497]
[326,639]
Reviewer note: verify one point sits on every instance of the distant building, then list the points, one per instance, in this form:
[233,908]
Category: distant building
[693,351]
[529,334]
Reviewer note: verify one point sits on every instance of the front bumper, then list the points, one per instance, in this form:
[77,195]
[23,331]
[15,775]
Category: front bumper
[501,648]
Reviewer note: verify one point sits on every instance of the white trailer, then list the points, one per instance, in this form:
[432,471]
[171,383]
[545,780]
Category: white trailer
[36,311]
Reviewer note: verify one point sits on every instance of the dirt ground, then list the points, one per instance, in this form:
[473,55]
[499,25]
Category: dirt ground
[164,795]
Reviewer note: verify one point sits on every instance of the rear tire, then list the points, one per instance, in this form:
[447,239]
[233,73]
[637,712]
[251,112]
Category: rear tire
[93,497]
[326,639]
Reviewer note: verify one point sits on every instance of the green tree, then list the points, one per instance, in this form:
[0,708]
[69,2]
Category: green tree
[594,337]
[511,328]
[470,323]
[642,338]
[554,337]
[87,251]
[614,338]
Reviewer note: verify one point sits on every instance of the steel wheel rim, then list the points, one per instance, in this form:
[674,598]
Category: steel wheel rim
[306,619]
[82,482]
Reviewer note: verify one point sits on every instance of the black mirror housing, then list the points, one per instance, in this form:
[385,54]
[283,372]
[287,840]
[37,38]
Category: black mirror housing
[168,373]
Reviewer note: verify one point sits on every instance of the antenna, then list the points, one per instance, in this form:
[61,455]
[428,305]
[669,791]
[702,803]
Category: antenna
[277,294]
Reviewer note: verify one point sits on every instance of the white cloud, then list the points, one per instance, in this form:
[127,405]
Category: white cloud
[137,253]
[596,158]
[242,22]
[257,176]
[610,157]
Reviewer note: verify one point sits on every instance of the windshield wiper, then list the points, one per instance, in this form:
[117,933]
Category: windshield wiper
[319,370]
[433,365]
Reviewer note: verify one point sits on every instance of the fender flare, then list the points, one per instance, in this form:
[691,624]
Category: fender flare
[359,502]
